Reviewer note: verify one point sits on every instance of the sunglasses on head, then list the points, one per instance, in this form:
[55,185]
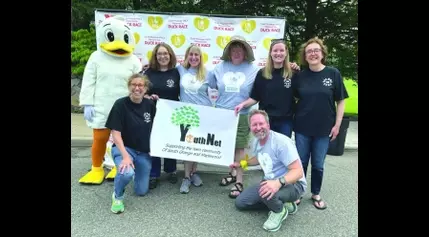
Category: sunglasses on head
[278,40]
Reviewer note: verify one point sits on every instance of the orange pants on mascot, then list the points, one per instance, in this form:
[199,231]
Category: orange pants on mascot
[104,81]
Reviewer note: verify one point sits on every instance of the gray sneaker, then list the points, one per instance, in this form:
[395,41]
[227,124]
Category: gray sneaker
[196,180]
[184,188]
[275,220]
[291,207]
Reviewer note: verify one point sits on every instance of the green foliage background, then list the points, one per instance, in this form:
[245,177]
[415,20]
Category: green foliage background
[82,45]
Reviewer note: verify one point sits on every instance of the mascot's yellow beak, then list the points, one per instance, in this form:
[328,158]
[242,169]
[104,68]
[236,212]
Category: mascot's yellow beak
[117,48]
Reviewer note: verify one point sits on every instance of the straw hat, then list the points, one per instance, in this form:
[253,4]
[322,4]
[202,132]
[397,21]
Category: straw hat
[240,39]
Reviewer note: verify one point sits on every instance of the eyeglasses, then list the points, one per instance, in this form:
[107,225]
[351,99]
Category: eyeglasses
[137,85]
[310,51]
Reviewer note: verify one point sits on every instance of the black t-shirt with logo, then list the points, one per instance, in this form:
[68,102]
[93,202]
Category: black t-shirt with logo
[134,121]
[317,93]
[274,95]
[164,84]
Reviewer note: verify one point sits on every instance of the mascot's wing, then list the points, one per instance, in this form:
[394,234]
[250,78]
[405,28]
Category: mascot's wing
[87,90]
[138,66]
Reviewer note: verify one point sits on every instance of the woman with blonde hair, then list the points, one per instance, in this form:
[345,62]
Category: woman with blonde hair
[321,93]
[273,89]
[193,90]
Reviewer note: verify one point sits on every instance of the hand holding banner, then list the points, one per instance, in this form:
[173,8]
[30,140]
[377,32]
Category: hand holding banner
[213,95]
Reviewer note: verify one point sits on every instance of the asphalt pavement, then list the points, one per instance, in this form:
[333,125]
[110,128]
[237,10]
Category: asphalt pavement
[207,211]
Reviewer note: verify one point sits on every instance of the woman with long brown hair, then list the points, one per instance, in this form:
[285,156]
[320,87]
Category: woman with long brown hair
[164,76]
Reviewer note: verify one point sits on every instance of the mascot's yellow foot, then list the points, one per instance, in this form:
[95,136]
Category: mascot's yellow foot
[111,175]
[95,176]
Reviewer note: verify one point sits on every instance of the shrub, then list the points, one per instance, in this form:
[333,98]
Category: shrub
[83,43]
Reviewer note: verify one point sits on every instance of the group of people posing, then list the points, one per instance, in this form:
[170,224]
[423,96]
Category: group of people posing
[308,100]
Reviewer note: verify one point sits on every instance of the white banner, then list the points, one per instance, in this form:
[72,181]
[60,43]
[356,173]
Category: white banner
[191,132]
[209,32]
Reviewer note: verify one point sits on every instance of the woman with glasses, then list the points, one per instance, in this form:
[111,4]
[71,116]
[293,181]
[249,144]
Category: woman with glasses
[320,92]
[131,136]
[164,77]
[273,89]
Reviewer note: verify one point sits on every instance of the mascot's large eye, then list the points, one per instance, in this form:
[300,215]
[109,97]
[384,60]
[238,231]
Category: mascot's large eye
[109,35]
[126,38]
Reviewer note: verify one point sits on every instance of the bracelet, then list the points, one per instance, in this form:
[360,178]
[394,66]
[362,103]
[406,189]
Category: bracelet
[243,164]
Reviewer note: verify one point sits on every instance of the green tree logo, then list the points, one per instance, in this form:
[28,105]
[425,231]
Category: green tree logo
[186,117]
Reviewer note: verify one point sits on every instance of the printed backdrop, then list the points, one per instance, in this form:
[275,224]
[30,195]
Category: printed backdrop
[210,33]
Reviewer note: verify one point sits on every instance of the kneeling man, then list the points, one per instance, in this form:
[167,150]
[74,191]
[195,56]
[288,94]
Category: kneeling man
[283,181]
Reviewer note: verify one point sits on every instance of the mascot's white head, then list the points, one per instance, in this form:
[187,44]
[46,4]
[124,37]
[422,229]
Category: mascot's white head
[115,38]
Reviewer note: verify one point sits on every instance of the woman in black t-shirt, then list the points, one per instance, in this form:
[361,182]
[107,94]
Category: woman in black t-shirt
[320,92]
[130,121]
[273,89]
[165,77]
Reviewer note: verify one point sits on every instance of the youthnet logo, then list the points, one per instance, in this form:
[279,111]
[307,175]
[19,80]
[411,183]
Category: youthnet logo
[187,118]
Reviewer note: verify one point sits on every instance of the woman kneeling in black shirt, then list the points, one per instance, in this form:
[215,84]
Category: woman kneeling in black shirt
[131,120]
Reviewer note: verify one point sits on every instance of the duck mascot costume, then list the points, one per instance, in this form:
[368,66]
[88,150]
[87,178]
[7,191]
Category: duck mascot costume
[104,81]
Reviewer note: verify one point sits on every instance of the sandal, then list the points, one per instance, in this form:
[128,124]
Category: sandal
[318,203]
[227,180]
[297,202]
[238,187]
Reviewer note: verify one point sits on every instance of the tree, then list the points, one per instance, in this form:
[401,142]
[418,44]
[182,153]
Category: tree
[83,10]
[83,44]
[186,117]
[334,21]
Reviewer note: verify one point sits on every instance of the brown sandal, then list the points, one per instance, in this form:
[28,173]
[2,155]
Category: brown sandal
[227,180]
[238,187]
[318,201]
[297,202]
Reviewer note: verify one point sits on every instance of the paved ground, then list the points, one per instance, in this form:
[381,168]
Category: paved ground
[208,211]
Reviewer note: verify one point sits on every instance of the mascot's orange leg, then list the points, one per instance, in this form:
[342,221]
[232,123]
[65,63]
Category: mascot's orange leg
[96,175]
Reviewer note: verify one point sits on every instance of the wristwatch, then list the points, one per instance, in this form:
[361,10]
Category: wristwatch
[282,181]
